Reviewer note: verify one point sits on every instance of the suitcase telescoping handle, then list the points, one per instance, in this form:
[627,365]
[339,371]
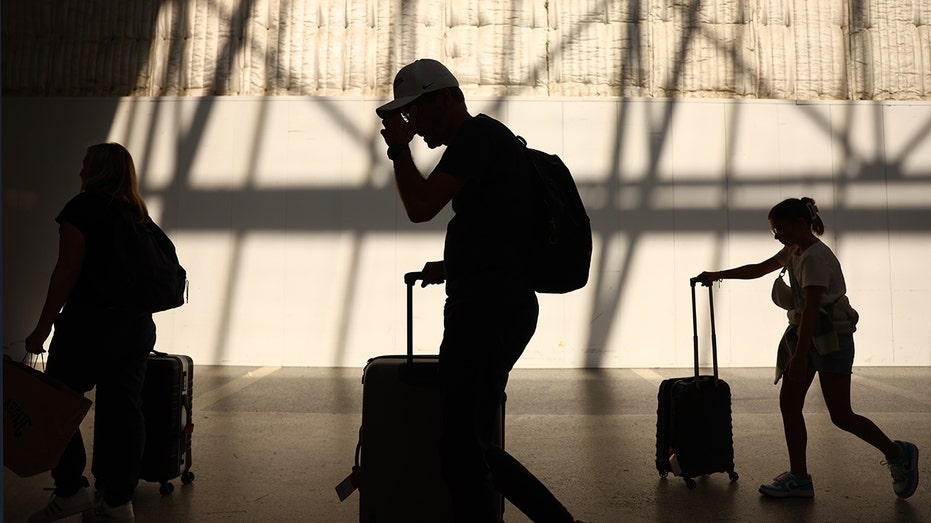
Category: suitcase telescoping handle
[410,279]
[714,338]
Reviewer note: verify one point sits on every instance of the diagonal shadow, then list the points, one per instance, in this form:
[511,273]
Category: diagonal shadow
[610,223]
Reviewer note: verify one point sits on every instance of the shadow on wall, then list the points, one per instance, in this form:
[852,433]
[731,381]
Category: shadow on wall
[38,180]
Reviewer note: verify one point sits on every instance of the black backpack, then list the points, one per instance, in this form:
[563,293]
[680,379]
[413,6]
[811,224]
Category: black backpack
[562,253]
[150,275]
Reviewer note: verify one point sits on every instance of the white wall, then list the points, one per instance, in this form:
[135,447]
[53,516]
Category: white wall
[284,212]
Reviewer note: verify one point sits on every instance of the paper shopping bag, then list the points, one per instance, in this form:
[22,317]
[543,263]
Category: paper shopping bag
[40,416]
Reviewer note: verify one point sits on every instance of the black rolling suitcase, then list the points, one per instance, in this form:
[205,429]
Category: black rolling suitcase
[693,428]
[166,403]
[398,460]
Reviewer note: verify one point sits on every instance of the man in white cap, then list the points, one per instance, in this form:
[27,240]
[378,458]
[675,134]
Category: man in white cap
[491,309]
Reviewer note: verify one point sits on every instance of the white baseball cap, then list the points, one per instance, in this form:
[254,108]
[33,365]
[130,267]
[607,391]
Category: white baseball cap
[415,79]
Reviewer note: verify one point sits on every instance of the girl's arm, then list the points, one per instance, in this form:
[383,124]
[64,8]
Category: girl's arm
[744,272]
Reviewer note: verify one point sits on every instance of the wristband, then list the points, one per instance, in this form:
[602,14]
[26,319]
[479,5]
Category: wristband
[396,149]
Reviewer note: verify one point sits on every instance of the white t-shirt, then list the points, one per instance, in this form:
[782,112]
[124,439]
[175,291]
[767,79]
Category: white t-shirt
[817,266]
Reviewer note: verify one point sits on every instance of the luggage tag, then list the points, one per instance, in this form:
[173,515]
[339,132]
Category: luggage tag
[674,463]
[348,485]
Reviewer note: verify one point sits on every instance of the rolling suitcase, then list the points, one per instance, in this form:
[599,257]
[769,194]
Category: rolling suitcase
[398,458]
[693,428]
[166,403]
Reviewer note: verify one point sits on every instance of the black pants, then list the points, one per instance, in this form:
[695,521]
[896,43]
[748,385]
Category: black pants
[483,338]
[95,347]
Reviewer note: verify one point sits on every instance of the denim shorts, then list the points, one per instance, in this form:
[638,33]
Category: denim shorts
[838,362]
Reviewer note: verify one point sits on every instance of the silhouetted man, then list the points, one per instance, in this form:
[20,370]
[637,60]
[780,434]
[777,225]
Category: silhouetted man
[491,309]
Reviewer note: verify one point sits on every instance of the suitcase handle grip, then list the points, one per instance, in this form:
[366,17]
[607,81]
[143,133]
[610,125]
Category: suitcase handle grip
[410,279]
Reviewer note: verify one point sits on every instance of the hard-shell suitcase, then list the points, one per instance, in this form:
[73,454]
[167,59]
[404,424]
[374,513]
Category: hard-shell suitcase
[398,457]
[693,428]
[166,402]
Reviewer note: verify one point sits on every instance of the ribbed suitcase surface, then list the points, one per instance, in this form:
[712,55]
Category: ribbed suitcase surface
[694,424]
[167,402]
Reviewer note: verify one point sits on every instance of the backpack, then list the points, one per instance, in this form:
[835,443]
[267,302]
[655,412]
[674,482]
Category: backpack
[151,277]
[562,252]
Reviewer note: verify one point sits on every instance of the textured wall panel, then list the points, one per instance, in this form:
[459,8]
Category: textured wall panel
[795,49]
[890,49]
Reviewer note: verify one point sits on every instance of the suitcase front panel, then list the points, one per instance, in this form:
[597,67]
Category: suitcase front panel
[400,476]
[400,459]
[701,431]
[166,403]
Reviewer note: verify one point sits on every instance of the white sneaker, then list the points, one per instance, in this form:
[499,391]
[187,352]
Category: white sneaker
[102,512]
[61,507]
[788,485]
[904,469]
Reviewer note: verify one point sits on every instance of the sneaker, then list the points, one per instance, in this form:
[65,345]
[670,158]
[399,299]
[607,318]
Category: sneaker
[788,485]
[101,511]
[904,469]
[61,507]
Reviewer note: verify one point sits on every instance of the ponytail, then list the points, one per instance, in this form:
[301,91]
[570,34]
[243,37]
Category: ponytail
[815,221]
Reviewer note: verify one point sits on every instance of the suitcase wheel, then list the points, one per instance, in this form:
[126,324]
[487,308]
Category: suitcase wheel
[166,487]
[663,474]
[188,477]
[733,475]
[690,483]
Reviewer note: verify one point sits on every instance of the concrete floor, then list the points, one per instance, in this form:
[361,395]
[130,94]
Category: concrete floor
[271,444]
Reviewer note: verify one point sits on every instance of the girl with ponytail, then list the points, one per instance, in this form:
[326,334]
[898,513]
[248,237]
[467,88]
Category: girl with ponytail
[818,340]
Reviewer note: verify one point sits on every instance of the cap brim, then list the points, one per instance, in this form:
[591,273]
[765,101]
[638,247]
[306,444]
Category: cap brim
[394,105]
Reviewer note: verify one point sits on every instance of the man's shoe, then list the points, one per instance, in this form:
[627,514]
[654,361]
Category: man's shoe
[61,507]
[788,485]
[102,512]
[904,470]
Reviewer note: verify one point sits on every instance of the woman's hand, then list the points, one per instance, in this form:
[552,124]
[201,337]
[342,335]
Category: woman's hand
[36,339]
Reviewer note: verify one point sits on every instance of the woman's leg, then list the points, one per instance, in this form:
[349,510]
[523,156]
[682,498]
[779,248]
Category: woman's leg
[119,430]
[68,362]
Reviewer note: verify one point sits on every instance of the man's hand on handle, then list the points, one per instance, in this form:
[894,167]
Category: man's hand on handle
[434,273]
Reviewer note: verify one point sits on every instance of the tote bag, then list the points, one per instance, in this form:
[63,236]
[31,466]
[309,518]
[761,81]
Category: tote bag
[40,416]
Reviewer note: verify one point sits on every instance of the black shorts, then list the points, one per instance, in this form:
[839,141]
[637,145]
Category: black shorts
[838,362]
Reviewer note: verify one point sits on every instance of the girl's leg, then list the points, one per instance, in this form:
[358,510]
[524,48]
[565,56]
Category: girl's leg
[901,457]
[791,402]
[836,390]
